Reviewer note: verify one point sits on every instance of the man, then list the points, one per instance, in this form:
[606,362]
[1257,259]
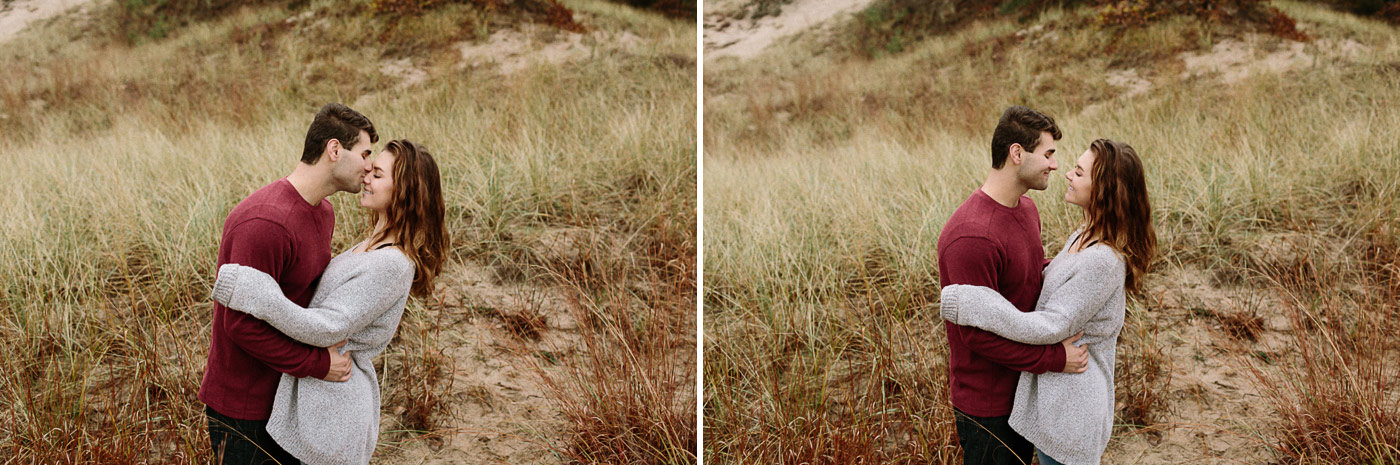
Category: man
[993,240]
[284,229]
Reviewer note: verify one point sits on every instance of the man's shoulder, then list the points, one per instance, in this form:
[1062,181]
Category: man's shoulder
[969,220]
[260,207]
[1027,203]
[265,205]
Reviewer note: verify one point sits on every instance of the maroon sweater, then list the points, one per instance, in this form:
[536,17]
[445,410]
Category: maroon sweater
[277,232]
[989,244]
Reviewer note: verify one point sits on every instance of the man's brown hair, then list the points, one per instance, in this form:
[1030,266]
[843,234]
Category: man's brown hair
[339,122]
[1020,125]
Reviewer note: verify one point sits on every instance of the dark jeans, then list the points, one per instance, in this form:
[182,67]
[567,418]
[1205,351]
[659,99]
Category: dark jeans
[991,441]
[243,442]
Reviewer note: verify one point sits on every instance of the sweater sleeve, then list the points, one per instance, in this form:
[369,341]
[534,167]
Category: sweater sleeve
[1066,310]
[266,246]
[350,306]
[978,258]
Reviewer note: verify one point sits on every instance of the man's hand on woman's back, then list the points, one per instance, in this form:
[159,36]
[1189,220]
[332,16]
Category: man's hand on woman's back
[340,364]
[1076,358]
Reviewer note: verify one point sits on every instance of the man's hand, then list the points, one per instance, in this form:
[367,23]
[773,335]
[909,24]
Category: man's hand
[1076,358]
[340,364]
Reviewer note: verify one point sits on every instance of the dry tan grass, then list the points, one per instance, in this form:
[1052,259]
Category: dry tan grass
[130,157]
[828,178]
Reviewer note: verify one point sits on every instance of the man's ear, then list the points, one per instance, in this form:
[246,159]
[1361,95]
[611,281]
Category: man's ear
[1016,155]
[333,149]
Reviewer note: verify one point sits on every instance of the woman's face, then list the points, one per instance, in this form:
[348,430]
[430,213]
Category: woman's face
[379,183]
[1079,185]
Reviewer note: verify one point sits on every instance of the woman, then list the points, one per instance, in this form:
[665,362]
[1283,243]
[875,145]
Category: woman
[360,299]
[1069,417]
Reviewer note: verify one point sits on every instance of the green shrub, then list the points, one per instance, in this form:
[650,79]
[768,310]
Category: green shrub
[137,20]
[546,11]
[672,8]
[887,26]
[1388,10]
[1257,13]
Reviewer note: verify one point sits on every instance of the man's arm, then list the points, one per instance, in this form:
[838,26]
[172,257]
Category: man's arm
[1068,309]
[977,266]
[348,308]
[267,246]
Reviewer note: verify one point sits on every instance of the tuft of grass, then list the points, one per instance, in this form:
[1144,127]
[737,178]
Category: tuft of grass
[632,400]
[1142,374]
[1337,398]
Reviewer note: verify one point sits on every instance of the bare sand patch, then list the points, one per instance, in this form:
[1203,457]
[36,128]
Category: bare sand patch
[1234,60]
[511,50]
[16,14]
[1129,81]
[404,71]
[1215,410]
[745,38]
[496,409]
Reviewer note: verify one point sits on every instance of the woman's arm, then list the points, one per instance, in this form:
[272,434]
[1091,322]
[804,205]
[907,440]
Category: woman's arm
[347,309]
[1064,312]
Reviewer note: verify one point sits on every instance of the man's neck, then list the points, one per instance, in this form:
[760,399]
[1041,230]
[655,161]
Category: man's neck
[1003,189]
[310,183]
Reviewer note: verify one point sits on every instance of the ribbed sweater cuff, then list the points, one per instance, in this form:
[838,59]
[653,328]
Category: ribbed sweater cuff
[948,305]
[225,283]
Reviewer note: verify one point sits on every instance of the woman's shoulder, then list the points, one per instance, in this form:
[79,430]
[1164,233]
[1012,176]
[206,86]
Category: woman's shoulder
[1103,258]
[387,261]
[395,259]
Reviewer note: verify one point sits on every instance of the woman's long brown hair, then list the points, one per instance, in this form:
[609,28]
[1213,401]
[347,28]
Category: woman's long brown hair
[1119,213]
[415,214]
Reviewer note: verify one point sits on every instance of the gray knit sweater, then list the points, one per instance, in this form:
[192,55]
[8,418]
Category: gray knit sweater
[1067,416]
[360,298]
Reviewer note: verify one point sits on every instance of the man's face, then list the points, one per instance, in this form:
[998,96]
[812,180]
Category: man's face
[349,171]
[1035,168]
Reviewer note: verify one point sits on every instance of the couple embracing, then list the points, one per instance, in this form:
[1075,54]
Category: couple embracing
[1031,341]
[289,377]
